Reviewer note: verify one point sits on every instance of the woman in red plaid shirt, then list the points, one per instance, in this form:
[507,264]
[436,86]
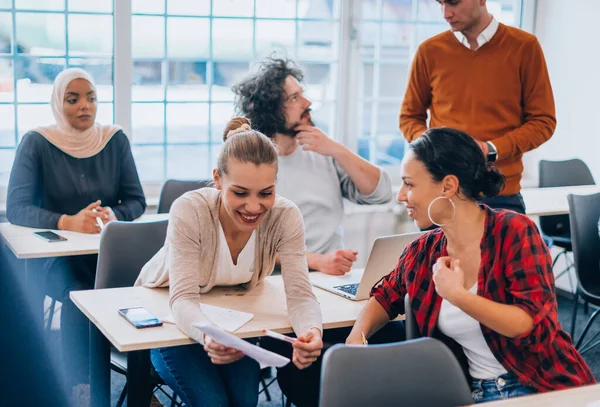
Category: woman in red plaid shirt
[483,279]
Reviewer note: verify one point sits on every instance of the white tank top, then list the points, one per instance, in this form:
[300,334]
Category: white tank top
[456,324]
[229,274]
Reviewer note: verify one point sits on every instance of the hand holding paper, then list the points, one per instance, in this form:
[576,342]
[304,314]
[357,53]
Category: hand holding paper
[264,357]
[219,354]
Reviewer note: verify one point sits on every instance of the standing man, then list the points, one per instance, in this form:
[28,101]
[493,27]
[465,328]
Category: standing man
[315,171]
[489,80]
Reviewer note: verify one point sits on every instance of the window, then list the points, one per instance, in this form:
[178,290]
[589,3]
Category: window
[187,56]
[389,34]
[38,39]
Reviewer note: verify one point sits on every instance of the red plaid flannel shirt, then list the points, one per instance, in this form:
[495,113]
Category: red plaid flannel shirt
[516,270]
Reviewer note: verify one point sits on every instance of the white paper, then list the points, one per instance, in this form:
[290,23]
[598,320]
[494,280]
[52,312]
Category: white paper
[593,404]
[225,318]
[264,357]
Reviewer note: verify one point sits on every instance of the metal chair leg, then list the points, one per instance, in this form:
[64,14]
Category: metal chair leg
[265,388]
[122,396]
[574,315]
[50,315]
[586,329]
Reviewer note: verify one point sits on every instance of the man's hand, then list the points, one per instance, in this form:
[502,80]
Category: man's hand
[307,348]
[337,262]
[313,139]
[106,214]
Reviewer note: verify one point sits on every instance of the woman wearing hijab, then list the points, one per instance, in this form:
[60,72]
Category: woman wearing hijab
[64,177]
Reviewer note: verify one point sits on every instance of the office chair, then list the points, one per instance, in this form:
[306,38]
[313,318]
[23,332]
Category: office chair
[585,212]
[125,247]
[173,189]
[556,228]
[419,372]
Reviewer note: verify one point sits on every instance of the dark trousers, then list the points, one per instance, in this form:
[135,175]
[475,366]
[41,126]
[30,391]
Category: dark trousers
[512,202]
[63,275]
[302,386]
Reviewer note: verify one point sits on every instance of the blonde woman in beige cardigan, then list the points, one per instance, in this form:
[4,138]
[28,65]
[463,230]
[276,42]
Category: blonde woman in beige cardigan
[230,235]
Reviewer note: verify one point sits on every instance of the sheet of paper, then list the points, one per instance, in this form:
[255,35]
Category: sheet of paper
[593,404]
[227,319]
[264,357]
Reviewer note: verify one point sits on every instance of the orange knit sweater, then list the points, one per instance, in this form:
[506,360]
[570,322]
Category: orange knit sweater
[499,93]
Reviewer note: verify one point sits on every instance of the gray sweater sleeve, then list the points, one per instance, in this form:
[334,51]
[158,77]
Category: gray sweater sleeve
[185,267]
[381,195]
[304,311]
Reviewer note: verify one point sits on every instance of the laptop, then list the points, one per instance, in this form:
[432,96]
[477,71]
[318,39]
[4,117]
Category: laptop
[357,283]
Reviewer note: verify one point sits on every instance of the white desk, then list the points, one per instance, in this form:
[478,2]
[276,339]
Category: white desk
[266,302]
[25,245]
[553,201]
[577,397]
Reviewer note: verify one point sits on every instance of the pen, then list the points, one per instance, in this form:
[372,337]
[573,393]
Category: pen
[98,220]
[364,340]
[279,336]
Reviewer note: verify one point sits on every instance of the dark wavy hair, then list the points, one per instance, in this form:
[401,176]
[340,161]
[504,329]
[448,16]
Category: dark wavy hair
[260,97]
[446,151]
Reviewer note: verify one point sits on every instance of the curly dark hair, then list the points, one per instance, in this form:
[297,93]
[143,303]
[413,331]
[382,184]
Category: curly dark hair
[260,97]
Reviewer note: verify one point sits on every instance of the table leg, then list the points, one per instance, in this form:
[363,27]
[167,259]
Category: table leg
[139,390]
[99,368]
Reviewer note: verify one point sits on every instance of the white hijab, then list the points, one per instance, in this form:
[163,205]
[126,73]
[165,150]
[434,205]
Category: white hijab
[76,143]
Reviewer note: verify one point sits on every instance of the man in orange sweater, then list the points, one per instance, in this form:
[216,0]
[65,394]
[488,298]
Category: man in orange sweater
[487,79]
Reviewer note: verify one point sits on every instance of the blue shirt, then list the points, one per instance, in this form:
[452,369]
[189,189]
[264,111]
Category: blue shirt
[46,183]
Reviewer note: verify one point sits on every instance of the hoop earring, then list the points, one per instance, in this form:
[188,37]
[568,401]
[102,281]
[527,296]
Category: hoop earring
[429,211]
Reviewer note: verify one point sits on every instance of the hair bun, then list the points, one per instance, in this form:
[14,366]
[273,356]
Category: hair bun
[236,125]
[492,181]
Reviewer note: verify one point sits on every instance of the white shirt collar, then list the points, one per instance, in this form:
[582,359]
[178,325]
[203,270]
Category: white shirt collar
[484,37]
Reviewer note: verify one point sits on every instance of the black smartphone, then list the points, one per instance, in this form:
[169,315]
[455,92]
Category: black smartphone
[50,236]
[139,317]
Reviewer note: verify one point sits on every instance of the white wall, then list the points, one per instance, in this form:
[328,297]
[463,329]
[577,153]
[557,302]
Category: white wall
[568,34]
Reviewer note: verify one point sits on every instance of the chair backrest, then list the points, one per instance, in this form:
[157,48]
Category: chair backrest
[173,189]
[412,332]
[585,212]
[125,247]
[561,174]
[420,372]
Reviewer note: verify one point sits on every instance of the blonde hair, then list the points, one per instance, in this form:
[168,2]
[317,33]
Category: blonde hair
[245,145]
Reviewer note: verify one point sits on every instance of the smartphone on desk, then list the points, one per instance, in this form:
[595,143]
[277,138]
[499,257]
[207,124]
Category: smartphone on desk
[50,236]
[139,317]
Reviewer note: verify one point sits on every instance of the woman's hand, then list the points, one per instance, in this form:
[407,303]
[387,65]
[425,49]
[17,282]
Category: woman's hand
[106,214]
[307,348]
[84,221]
[449,279]
[220,354]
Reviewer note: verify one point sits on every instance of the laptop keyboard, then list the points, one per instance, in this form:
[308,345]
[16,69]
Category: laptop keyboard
[348,288]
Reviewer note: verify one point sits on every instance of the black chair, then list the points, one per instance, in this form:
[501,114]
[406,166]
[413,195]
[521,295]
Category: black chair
[125,247]
[173,189]
[585,212]
[412,332]
[419,372]
[556,228]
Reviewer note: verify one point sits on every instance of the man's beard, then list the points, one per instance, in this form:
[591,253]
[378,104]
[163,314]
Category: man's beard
[291,130]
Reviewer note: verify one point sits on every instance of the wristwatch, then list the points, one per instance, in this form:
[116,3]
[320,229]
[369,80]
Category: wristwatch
[492,152]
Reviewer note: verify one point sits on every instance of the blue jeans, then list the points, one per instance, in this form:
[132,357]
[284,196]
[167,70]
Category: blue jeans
[198,382]
[502,387]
